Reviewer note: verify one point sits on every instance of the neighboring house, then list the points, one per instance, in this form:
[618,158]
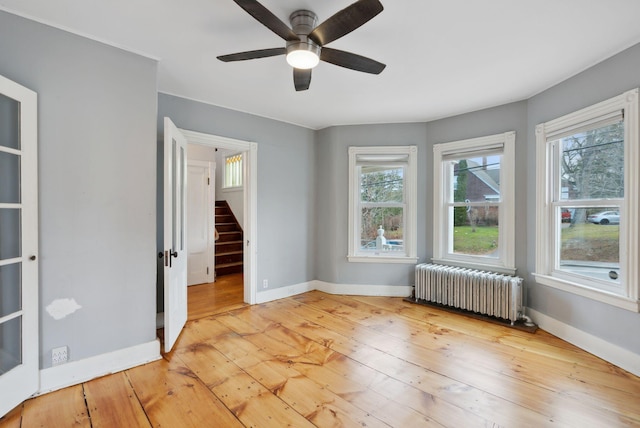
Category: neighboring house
[100,116]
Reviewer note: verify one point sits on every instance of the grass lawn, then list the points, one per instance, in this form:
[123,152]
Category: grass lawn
[581,242]
[591,242]
[483,241]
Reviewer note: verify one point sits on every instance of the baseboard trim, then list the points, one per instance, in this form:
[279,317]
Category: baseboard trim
[331,288]
[284,292]
[614,354]
[75,372]
[364,290]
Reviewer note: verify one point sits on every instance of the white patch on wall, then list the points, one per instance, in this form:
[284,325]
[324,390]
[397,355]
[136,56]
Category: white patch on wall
[61,308]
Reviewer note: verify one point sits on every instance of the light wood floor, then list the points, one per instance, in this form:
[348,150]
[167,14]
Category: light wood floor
[323,360]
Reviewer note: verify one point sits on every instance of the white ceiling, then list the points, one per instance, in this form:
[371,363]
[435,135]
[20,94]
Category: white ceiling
[444,57]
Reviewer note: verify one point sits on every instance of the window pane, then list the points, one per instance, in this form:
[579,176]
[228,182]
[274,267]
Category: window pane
[10,246]
[386,223]
[9,123]
[233,171]
[476,179]
[10,344]
[592,164]
[10,178]
[10,289]
[476,231]
[590,243]
[381,184]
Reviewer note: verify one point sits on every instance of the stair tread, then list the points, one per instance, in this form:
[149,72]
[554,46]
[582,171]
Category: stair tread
[229,253]
[228,242]
[223,265]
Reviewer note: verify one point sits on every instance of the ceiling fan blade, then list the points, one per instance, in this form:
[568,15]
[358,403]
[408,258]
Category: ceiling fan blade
[260,53]
[351,60]
[268,19]
[345,21]
[301,79]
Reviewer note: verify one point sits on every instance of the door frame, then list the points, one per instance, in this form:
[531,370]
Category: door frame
[250,183]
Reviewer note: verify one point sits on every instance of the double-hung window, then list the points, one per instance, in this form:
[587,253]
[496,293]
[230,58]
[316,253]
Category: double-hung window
[233,172]
[382,204]
[587,202]
[473,217]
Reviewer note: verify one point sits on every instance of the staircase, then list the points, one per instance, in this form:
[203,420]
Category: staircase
[229,245]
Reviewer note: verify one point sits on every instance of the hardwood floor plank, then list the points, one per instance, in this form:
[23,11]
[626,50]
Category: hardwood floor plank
[13,419]
[112,403]
[173,396]
[58,409]
[327,360]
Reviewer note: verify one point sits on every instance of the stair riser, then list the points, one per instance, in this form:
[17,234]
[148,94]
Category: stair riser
[229,270]
[229,258]
[229,236]
[227,227]
[228,248]
[225,219]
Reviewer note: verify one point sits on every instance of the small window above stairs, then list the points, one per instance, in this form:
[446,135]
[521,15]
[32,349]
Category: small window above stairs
[229,246]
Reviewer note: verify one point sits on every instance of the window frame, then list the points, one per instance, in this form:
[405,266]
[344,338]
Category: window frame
[442,238]
[547,177]
[409,212]
[225,186]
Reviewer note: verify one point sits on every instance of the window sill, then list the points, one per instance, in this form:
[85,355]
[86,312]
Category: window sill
[480,266]
[232,189]
[590,293]
[382,259]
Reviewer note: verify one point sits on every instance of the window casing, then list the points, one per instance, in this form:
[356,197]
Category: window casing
[587,202]
[233,172]
[473,217]
[382,202]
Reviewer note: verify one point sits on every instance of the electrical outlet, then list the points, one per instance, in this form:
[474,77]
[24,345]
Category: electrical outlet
[265,283]
[59,355]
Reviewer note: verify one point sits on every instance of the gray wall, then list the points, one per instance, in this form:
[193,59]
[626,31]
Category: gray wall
[333,197]
[97,113]
[332,189]
[605,80]
[286,184]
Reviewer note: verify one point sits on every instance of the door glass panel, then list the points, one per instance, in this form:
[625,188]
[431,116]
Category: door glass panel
[10,178]
[10,246]
[10,344]
[10,282]
[174,200]
[10,125]
[182,185]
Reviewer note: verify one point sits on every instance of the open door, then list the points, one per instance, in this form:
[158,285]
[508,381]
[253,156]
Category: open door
[19,365]
[175,238]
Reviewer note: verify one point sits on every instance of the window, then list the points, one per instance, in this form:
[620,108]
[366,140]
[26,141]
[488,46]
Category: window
[474,203]
[587,203]
[382,204]
[233,171]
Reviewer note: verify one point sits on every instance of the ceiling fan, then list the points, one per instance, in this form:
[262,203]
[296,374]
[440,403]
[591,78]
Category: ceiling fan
[306,40]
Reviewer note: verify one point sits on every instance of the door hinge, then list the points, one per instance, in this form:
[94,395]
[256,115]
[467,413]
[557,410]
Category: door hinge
[208,181]
[207,270]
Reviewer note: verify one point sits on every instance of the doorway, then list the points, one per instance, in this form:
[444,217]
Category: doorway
[249,221]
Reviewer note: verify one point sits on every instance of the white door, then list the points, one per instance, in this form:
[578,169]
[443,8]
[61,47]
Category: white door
[175,239]
[200,218]
[18,245]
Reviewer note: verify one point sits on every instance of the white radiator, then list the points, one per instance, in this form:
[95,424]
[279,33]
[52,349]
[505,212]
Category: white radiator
[482,292]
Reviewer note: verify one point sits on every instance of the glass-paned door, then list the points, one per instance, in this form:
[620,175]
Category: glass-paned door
[18,245]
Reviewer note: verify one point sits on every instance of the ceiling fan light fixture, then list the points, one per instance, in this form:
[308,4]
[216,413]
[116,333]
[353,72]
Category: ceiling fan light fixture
[303,55]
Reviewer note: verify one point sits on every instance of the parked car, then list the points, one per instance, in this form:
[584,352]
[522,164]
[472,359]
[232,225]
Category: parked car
[566,216]
[605,217]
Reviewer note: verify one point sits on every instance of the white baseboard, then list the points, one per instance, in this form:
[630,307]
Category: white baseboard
[331,288]
[283,292]
[76,372]
[364,290]
[614,354]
